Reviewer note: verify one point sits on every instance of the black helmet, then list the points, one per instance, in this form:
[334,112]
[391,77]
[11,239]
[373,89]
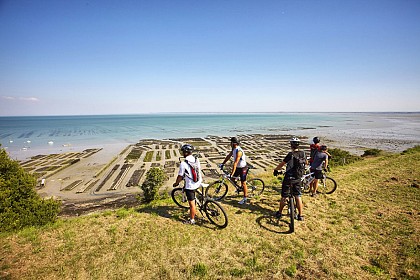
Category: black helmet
[234,140]
[316,140]
[295,142]
[324,147]
[187,148]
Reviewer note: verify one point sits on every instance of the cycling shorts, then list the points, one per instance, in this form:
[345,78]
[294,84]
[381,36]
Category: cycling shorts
[317,173]
[190,194]
[241,172]
[295,185]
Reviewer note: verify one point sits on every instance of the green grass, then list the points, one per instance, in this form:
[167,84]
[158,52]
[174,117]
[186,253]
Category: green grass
[149,156]
[158,156]
[367,229]
[167,154]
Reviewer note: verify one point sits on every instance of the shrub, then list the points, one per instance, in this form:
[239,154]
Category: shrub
[341,157]
[20,204]
[155,178]
[413,150]
[372,152]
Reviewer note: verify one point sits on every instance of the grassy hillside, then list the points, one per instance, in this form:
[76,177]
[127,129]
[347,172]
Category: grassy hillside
[368,229]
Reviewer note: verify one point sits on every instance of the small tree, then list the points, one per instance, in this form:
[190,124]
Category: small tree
[20,204]
[371,152]
[155,178]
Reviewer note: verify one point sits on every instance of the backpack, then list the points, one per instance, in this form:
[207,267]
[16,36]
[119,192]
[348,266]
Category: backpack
[314,151]
[297,165]
[194,171]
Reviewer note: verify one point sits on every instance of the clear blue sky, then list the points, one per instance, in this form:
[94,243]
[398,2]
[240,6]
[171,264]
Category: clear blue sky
[122,57]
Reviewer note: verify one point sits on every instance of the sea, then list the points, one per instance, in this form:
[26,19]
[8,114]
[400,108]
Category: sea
[23,137]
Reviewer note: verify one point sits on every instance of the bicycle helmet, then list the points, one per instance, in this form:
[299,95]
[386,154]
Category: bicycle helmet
[187,148]
[234,140]
[294,141]
[316,140]
[324,147]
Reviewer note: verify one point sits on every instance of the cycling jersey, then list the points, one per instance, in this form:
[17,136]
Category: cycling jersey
[242,161]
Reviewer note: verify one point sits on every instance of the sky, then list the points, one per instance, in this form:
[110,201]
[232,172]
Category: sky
[129,57]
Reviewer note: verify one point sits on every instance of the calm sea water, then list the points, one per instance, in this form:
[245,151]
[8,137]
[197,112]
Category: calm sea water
[26,136]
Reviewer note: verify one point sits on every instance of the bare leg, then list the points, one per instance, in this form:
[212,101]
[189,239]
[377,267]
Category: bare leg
[193,211]
[312,186]
[244,186]
[315,181]
[282,204]
[299,204]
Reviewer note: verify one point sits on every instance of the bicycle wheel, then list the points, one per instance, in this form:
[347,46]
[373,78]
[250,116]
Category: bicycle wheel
[291,205]
[255,187]
[305,186]
[217,190]
[327,185]
[180,198]
[215,213]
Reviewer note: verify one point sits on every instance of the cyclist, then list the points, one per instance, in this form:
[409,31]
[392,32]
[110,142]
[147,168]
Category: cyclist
[240,167]
[190,171]
[316,168]
[315,148]
[291,180]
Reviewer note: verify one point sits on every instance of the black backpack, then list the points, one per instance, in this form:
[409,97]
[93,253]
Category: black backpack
[297,165]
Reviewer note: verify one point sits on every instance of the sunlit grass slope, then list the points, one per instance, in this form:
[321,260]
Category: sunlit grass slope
[368,229]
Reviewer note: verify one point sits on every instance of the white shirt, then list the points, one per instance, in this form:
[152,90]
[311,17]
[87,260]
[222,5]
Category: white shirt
[242,161]
[185,171]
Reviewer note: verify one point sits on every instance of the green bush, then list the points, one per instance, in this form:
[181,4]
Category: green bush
[155,178]
[372,152]
[341,157]
[413,150]
[20,204]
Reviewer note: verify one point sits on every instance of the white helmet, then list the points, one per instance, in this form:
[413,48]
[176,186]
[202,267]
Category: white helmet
[295,141]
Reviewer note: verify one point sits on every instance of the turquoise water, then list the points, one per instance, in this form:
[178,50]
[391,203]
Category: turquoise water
[51,133]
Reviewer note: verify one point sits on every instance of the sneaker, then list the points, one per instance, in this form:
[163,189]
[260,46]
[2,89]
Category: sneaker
[278,215]
[189,222]
[243,201]
[300,218]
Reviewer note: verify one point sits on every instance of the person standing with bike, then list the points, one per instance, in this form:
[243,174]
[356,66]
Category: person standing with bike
[190,171]
[315,147]
[239,167]
[295,162]
[316,168]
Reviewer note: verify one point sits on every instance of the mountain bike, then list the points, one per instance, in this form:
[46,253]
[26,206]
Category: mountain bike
[218,189]
[326,185]
[212,209]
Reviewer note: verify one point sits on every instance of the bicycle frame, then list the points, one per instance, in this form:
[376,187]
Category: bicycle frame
[226,177]
[309,177]
[206,206]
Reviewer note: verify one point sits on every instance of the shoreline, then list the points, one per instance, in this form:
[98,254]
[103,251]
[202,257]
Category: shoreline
[388,131]
[82,190]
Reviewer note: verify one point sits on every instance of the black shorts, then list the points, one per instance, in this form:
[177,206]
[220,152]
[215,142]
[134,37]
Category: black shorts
[241,172]
[190,194]
[317,173]
[295,185]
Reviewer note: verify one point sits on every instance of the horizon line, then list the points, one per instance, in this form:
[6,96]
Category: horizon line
[220,113]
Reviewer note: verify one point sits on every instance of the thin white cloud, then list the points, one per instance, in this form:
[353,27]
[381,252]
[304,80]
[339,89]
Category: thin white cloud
[25,99]
[31,99]
[8,97]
